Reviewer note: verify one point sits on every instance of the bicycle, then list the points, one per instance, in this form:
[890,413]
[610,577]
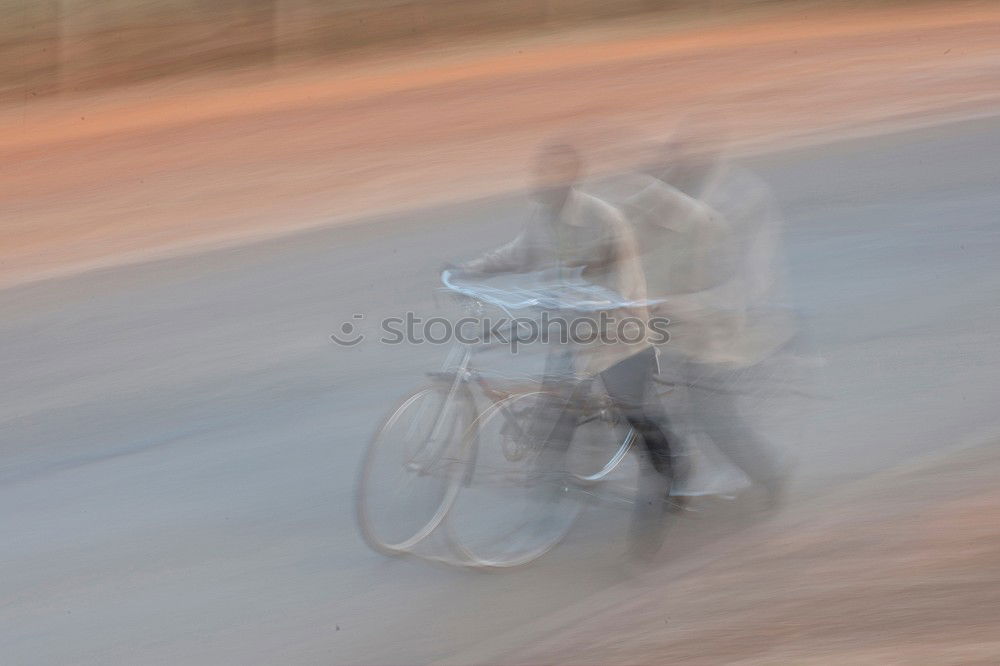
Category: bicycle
[447,459]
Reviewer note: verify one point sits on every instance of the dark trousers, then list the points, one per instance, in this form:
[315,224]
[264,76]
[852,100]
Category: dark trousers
[629,385]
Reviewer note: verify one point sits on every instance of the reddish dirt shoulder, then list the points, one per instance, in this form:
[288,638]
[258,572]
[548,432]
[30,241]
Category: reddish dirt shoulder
[901,569]
[110,177]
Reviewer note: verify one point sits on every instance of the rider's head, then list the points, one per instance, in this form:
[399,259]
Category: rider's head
[557,167]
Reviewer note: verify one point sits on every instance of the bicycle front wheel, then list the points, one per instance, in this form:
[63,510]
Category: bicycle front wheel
[407,478]
[513,506]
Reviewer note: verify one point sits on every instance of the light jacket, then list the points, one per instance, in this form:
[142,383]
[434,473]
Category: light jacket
[713,262]
[590,234]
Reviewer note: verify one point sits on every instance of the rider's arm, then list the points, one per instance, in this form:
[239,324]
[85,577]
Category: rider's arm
[512,257]
[711,239]
[663,205]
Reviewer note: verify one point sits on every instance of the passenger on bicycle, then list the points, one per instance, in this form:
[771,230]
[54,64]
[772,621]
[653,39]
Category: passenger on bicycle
[574,231]
[710,243]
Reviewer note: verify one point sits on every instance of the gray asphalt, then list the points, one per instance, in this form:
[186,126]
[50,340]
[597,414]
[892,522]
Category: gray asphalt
[180,438]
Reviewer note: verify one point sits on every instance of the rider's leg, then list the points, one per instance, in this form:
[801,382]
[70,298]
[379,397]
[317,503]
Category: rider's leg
[627,383]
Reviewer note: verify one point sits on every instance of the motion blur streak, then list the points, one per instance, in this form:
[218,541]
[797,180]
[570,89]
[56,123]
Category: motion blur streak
[202,201]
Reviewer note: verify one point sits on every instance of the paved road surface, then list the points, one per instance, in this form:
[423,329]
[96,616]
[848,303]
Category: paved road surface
[179,438]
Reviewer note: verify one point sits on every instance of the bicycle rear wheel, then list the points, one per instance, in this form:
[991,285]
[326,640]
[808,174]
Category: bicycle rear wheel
[407,478]
[512,507]
[599,447]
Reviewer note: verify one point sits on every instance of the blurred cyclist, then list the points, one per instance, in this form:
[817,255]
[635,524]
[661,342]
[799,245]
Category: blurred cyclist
[574,231]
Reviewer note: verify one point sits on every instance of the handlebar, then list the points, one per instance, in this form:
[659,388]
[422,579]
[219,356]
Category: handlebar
[572,293]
